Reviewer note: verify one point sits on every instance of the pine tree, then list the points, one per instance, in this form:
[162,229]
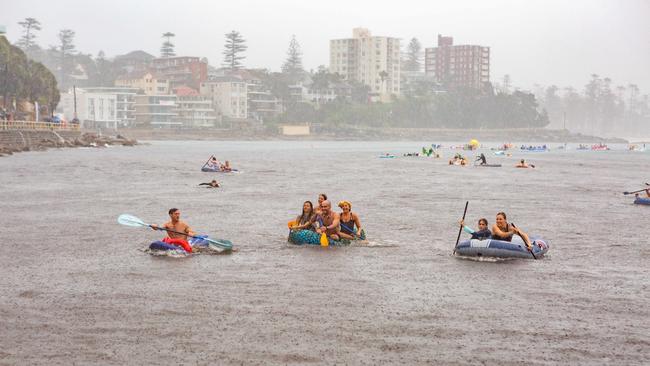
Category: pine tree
[66,51]
[167,49]
[234,47]
[413,55]
[26,41]
[293,64]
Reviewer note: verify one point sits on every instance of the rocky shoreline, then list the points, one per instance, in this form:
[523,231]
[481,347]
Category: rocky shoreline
[12,141]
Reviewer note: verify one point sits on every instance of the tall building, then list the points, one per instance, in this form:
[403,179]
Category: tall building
[461,66]
[188,71]
[373,61]
[194,110]
[108,107]
[229,96]
[158,111]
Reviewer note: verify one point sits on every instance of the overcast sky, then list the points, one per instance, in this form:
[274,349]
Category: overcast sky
[541,42]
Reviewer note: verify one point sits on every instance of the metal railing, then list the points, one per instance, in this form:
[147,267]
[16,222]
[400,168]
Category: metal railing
[38,126]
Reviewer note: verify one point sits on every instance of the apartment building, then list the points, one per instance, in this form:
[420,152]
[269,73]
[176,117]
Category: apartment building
[371,60]
[194,110]
[183,70]
[157,111]
[460,66]
[145,81]
[229,96]
[107,107]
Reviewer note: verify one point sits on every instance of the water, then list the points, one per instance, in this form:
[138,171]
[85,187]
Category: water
[77,288]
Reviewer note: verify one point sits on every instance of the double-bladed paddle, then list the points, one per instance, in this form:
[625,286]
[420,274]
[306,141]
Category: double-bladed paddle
[130,220]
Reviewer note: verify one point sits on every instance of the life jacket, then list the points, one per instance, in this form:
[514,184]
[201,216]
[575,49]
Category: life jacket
[179,242]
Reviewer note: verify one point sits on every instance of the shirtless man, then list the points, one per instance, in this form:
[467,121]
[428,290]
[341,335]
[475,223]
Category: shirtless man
[179,226]
[329,220]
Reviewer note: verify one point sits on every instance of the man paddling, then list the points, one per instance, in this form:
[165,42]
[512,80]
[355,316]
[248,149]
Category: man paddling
[179,226]
[329,220]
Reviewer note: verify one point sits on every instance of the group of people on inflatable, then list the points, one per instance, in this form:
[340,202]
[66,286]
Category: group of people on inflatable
[322,219]
[534,148]
[501,230]
[214,164]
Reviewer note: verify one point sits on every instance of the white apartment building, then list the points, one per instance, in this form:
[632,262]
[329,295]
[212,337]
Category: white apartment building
[196,111]
[229,96]
[373,61]
[93,108]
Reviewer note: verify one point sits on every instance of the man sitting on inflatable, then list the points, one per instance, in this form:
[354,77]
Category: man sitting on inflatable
[176,224]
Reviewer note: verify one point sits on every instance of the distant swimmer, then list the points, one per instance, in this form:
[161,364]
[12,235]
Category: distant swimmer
[213,184]
[523,164]
[176,227]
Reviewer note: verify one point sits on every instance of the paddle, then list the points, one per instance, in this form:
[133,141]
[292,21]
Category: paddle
[461,228]
[324,242]
[206,163]
[130,220]
[528,246]
[354,233]
[640,190]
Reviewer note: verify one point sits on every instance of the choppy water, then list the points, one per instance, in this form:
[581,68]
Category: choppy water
[76,287]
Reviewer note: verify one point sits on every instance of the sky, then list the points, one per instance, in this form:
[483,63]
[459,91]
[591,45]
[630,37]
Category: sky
[550,42]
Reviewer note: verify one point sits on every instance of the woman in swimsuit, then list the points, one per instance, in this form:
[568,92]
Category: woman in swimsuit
[303,221]
[348,221]
[504,231]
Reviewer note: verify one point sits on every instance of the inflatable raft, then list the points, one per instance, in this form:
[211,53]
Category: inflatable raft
[642,201]
[216,170]
[308,237]
[198,246]
[502,249]
[488,165]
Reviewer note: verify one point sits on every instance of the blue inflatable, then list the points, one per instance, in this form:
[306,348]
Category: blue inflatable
[216,169]
[502,249]
[302,237]
[642,201]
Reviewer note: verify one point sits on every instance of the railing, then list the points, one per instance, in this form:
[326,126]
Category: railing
[36,126]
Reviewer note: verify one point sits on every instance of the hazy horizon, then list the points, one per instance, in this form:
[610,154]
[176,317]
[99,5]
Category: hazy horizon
[536,42]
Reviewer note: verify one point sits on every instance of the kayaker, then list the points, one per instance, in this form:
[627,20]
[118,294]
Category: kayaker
[176,224]
[303,221]
[328,221]
[213,184]
[504,231]
[348,221]
[482,233]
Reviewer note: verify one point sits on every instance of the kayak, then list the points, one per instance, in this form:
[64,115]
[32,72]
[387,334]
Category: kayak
[216,170]
[502,249]
[642,201]
[308,237]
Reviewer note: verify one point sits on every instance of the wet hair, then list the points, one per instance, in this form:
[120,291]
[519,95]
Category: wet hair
[522,161]
[502,214]
[483,220]
[304,217]
[172,210]
[324,196]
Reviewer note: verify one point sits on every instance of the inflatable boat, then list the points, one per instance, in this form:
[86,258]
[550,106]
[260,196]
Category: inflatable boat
[198,246]
[642,201]
[308,237]
[502,249]
[216,169]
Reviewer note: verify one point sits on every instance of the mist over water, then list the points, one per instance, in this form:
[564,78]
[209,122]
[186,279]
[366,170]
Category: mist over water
[78,289]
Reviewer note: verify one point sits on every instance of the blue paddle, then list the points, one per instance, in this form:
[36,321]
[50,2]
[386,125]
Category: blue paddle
[350,230]
[130,220]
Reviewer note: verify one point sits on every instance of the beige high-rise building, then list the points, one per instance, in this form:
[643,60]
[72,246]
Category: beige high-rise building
[373,61]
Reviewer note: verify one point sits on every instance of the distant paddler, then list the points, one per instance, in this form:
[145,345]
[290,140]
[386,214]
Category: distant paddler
[212,184]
